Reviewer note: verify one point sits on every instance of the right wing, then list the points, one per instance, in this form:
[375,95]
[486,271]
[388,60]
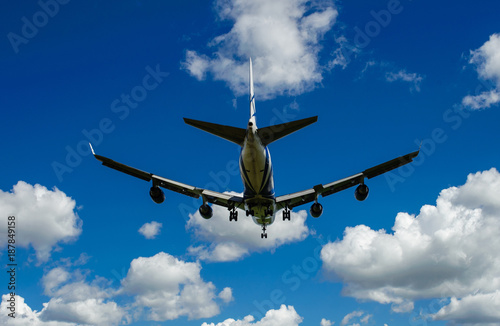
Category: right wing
[309,195]
[209,196]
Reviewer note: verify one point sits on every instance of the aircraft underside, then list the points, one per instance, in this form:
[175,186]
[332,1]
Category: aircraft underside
[258,200]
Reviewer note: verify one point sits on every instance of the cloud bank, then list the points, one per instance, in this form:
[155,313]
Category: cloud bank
[282,37]
[449,250]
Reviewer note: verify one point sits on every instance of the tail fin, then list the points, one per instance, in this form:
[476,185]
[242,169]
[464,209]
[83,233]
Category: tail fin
[269,134]
[252,95]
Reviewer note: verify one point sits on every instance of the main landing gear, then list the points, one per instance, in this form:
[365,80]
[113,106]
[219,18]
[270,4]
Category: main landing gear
[286,214]
[233,214]
[264,234]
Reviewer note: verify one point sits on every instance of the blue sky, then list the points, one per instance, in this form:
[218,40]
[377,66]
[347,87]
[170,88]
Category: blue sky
[383,77]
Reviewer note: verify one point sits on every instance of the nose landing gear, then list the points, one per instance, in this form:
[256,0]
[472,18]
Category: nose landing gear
[264,234]
[233,214]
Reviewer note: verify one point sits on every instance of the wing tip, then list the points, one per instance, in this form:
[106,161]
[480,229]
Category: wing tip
[92,149]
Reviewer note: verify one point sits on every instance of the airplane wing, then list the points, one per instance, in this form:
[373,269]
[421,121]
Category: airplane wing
[213,197]
[309,195]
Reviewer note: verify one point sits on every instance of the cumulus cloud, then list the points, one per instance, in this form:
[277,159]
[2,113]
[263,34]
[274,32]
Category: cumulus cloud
[158,288]
[486,59]
[150,230]
[326,322]
[472,309]
[73,302]
[282,37]
[284,316]
[47,217]
[447,250]
[230,241]
[226,295]
[24,314]
[167,288]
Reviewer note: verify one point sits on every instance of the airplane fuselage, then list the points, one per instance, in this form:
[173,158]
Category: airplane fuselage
[257,175]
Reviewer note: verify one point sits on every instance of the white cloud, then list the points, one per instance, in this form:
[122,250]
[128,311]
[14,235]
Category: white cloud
[47,217]
[326,322]
[282,38]
[73,302]
[448,250]
[150,230]
[168,288]
[284,316]
[473,309]
[483,100]
[230,241]
[226,295]
[394,74]
[401,307]
[402,75]
[160,288]
[54,278]
[24,314]
[350,316]
[486,59]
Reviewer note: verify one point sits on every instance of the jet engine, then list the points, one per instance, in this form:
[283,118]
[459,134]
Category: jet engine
[316,210]
[206,211]
[157,194]
[361,192]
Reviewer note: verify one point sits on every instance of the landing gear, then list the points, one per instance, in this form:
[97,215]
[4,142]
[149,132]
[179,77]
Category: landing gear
[264,234]
[233,214]
[286,214]
[250,212]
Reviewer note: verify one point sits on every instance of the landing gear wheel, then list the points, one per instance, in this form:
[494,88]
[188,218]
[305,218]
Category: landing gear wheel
[263,234]
[286,214]
[233,215]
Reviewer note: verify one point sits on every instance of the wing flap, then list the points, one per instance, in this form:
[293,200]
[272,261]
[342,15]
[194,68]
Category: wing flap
[177,186]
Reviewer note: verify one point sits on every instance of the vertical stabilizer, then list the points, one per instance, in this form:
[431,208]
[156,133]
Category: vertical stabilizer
[252,95]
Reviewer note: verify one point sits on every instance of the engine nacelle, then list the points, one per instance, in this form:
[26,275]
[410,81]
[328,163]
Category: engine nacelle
[361,192]
[316,210]
[206,211]
[157,194]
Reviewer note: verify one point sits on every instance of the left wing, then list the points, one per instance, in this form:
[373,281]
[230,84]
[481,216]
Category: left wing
[208,196]
[309,195]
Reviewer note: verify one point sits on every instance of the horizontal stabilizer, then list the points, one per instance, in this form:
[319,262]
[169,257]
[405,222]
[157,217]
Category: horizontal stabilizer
[269,134]
[233,134]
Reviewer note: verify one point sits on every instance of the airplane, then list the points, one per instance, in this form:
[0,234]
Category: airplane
[256,170]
